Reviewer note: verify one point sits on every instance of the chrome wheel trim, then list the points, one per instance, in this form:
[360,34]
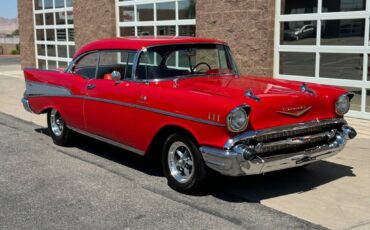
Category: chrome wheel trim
[180,162]
[56,123]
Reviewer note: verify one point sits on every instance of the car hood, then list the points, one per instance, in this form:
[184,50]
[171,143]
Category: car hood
[276,102]
[292,31]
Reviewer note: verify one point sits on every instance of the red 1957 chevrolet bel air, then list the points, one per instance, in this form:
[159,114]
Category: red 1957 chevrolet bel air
[184,100]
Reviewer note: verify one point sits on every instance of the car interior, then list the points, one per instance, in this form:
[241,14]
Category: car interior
[88,72]
[158,72]
[105,72]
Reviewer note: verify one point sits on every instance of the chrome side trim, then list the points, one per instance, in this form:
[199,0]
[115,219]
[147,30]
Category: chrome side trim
[58,91]
[109,141]
[186,117]
[36,89]
[190,118]
[297,126]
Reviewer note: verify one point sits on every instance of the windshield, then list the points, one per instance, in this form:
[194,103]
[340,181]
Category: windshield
[162,62]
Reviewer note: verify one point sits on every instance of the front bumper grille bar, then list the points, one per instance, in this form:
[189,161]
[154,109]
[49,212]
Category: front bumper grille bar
[241,159]
[294,142]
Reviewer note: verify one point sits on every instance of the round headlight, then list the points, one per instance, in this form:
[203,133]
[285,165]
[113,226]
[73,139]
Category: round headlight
[342,105]
[237,120]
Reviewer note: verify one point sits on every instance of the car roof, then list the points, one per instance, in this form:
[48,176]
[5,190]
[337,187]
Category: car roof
[138,43]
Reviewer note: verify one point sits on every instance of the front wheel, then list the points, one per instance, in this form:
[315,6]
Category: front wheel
[58,129]
[182,164]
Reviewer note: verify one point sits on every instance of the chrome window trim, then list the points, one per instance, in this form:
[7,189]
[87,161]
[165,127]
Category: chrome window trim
[109,141]
[302,125]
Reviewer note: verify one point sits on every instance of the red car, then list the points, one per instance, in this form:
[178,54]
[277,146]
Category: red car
[184,100]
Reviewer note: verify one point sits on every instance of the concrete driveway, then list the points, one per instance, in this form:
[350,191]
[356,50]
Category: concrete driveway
[334,193]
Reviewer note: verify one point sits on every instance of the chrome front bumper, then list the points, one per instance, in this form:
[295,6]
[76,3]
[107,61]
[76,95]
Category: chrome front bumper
[235,162]
[26,105]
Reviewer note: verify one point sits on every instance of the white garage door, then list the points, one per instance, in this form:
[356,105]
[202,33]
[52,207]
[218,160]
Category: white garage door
[325,41]
[155,17]
[54,33]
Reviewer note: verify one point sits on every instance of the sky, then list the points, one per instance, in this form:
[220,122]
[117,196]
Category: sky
[8,8]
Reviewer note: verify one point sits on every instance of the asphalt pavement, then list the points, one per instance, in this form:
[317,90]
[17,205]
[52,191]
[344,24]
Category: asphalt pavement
[93,185]
[9,60]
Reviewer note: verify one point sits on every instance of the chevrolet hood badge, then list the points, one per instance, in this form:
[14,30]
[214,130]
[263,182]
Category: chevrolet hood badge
[296,111]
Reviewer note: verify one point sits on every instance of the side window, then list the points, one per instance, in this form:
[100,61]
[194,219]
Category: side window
[86,66]
[148,67]
[119,61]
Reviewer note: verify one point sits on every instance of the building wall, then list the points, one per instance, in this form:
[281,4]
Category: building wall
[93,20]
[26,33]
[7,48]
[248,27]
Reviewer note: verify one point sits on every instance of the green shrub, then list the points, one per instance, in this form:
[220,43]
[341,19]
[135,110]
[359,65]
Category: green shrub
[14,52]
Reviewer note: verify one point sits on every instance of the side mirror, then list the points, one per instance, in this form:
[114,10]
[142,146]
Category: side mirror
[116,76]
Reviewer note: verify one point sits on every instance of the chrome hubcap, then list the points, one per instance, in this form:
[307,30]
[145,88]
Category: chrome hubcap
[180,162]
[56,123]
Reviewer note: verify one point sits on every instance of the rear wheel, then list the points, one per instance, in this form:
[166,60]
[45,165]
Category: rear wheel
[182,164]
[57,128]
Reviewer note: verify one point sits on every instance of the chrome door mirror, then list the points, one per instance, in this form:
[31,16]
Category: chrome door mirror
[116,76]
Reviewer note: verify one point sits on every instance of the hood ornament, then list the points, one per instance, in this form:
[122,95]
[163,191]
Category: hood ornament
[249,93]
[295,111]
[306,89]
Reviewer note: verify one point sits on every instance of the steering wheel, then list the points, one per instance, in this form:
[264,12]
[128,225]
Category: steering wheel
[201,63]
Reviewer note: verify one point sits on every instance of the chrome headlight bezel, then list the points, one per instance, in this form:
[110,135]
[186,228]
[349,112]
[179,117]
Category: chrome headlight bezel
[240,112]
[342,104]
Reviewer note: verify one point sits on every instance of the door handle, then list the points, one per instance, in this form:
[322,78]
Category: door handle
[90,86]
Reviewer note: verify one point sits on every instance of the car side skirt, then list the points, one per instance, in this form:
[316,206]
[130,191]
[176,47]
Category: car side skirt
[109,141]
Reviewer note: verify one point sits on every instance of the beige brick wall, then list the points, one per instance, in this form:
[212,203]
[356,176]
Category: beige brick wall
[248,27]
[26,33]
[93,19]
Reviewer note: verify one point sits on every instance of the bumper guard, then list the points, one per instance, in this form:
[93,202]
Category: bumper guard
[233,161]
[26,105]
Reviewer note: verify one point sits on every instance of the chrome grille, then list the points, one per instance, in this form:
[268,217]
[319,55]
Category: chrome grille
[294,132]
[289,143]
[292,139]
